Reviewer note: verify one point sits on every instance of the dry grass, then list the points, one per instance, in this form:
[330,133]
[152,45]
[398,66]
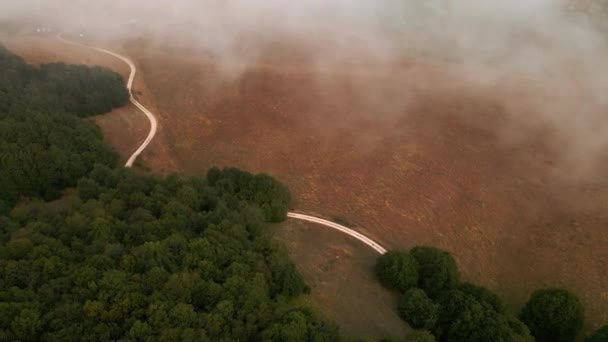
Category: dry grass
[339,271]
[125,129]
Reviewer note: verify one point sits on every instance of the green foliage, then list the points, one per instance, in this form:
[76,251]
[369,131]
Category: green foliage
[300,325]
[272,197]
[397,270]
[44,146]
[437,270]
[418,310]
[481,323]
[145,258]
[600,335]
[464,318]
[420,336]
[483,295]
[553,315]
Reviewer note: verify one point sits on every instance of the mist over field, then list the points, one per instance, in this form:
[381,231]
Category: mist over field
[530,45]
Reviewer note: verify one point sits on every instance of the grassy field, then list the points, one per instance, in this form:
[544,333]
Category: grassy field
[339,271]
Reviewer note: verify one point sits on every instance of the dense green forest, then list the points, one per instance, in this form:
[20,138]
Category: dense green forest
[140,257]
[44,145]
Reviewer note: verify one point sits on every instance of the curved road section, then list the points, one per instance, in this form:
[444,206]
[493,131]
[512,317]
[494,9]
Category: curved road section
[151,118]
[371,243]
[153,126]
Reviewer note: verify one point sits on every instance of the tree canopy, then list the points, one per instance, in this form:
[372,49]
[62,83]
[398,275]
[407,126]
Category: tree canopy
[44,146]
[455,312]
[418,310]
[437,270]
[553,315]
[141,257]
[397,270]
[483,295]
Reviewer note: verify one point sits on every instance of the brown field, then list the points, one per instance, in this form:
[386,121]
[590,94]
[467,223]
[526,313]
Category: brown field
[421,154]
[339,272]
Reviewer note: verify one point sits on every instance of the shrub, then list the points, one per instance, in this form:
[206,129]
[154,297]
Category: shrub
[397,270]
[418,310]
[437,270]
[553,315]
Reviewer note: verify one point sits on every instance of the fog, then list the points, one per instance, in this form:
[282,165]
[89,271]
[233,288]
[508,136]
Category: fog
[539,44]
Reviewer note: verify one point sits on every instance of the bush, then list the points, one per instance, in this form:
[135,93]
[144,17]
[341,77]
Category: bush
[397,270]
[418,310]
[600,335]
[437,270]
[553,315]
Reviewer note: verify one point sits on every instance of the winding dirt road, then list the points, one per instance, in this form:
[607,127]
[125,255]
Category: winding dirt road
[341,228]
[153,126]
[149,115]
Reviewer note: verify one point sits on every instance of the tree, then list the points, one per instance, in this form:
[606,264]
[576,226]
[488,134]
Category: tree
[553,315]
[600,335]
[481,323]
[300,325]
[397,270]
[437,270]
[418,310]
[463,318]
[483,295]
[27,325]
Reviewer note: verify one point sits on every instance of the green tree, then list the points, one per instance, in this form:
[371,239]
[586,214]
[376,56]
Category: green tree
[483,295]
[553,315]
[397,270]
[418,310]
[300,325]
[481,323]
[27,325]
[437,270]
[600,335]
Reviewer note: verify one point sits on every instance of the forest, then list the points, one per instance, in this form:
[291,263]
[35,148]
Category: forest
[91,251]
[133,256]
[44,144]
